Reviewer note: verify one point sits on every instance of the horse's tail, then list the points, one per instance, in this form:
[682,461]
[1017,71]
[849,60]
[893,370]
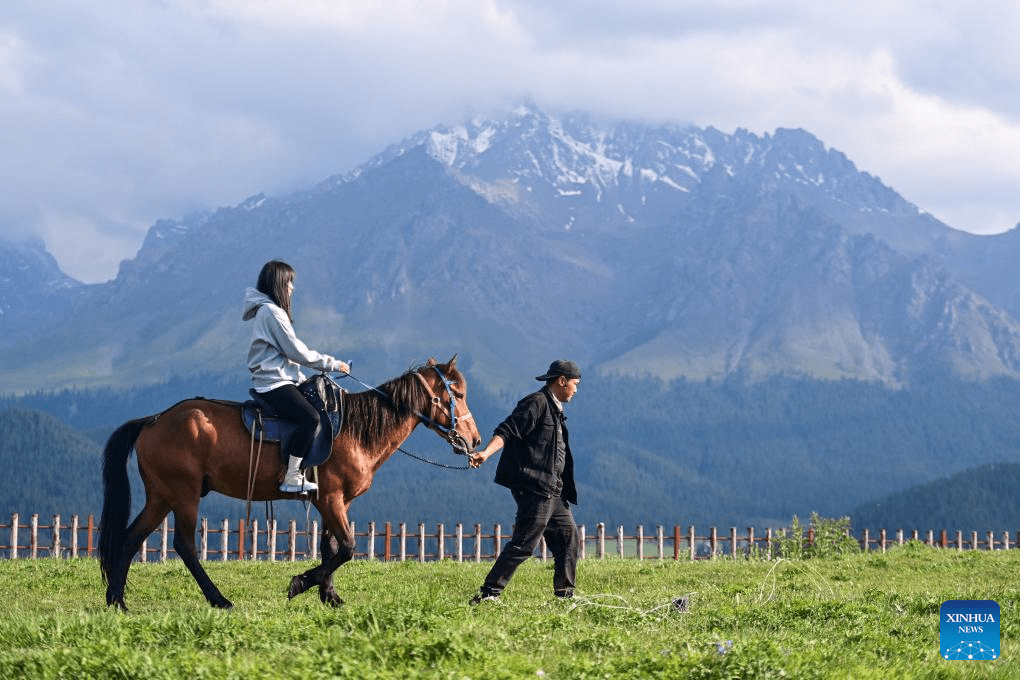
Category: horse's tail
[116,492]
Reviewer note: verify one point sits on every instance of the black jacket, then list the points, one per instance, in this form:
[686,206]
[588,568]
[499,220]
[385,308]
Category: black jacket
[528,460]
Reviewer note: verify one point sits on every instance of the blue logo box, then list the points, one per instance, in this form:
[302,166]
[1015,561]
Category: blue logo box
[969,630]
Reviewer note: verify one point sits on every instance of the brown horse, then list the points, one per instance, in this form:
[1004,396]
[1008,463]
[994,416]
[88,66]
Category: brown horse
[200,445]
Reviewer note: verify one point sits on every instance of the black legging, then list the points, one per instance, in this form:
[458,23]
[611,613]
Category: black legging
[292,405]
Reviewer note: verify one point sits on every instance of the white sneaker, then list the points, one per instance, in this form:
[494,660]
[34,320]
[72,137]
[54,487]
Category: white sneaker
[294,481]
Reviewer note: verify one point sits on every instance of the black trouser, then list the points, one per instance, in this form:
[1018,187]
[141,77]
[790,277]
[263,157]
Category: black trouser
[292,405]
[538,516]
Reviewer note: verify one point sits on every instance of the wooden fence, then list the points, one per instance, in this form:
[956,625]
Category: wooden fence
[238,540]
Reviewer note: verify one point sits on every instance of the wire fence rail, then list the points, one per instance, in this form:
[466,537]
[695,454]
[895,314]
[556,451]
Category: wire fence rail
[240,540]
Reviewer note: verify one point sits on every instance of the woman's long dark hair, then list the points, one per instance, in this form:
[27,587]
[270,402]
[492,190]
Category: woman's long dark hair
[273,280]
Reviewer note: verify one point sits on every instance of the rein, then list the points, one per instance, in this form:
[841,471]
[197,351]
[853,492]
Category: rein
[449,434]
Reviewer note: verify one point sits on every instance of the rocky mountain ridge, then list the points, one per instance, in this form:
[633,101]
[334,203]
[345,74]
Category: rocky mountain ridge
[670,251]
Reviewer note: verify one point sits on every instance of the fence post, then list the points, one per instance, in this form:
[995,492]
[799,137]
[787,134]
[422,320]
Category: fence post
[973,540]
[271,541]
[640,540]
[55,536]
[882,537]
[691,540]
[315,538]
[88,540]
[991,540]
[292,540]
[370,550]
[713,541]
[205,539]
[224,540]
[241,538]
[959,540]
[403,541]
[35,536]
[660,536]
[619,541]
[387,550]
[460,541]
[750,541]
[421,541]
[1005,540]
[441,540]
[478,543]
[600,533]
[15,518]
[733,543]
[768,543]
[943,539]
[254,540]
[163,530]
[676,541]
[865,540]
[582,539]
[74,535]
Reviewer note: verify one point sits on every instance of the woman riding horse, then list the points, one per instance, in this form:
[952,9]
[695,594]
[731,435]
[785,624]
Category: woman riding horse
[200,445]
[275,359]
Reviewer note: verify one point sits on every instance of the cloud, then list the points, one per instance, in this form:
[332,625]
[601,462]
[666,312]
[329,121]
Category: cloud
[119,113]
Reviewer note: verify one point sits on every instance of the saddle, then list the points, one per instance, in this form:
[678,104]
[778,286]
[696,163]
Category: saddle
[326,396]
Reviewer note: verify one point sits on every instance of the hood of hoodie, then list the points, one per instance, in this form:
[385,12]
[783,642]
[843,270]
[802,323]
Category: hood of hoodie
[253,299]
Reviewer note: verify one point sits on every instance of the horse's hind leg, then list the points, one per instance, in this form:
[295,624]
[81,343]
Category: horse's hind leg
[143,525]
[184,543]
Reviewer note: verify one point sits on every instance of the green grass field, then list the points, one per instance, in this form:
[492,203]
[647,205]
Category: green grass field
[858,616]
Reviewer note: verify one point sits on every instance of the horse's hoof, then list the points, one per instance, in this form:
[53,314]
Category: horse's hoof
[331,598]
[224,604]
[297,586]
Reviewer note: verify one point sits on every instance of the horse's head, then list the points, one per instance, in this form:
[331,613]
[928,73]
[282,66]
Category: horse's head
[449,415]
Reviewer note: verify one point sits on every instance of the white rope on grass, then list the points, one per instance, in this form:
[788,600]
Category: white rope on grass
[680,604]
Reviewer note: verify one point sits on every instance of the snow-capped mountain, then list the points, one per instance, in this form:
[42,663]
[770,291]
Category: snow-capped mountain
[663,250]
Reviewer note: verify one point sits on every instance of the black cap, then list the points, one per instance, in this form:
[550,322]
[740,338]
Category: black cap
[567,369]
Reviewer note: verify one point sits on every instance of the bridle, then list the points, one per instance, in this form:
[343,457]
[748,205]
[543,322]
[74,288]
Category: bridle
[449,433]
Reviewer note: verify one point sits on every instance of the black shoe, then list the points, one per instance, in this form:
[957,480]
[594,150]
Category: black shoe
[564,594]
[483,596]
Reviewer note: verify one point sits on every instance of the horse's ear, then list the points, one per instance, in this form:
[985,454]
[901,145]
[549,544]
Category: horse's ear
[452,363]
[431,362]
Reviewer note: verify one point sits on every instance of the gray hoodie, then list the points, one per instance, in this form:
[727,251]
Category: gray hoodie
[276,354]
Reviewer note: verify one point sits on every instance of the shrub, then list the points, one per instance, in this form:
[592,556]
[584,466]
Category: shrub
[824,537]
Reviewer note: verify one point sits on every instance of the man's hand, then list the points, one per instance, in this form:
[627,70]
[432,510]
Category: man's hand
[476,458]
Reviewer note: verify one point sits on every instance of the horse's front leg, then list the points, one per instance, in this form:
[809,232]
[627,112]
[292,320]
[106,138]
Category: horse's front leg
[329,547]
[337,547]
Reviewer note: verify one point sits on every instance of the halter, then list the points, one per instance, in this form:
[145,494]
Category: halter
[450,434]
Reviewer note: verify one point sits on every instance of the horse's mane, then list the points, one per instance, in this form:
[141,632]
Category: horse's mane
[370,416]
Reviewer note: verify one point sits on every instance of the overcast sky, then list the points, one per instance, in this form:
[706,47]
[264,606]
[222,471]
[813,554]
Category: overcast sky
[117,113]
